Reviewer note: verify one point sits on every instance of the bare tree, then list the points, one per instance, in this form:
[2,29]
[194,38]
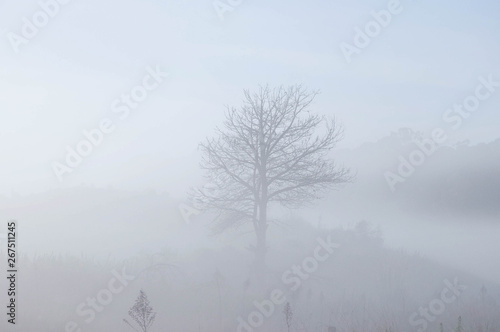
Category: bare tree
[141,313]
[271,150]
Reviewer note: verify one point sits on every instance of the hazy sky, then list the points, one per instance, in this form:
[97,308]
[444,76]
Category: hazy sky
[65,79]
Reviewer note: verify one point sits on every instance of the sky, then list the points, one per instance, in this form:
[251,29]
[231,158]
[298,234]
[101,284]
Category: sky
[65,79]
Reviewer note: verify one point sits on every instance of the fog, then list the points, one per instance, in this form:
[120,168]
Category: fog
[248,166]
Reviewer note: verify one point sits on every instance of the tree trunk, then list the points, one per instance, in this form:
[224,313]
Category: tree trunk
[261,247]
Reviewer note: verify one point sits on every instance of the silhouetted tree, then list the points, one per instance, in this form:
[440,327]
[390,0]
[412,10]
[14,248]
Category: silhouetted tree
[287,311]
[141,313]
[271,150]
[459,326]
